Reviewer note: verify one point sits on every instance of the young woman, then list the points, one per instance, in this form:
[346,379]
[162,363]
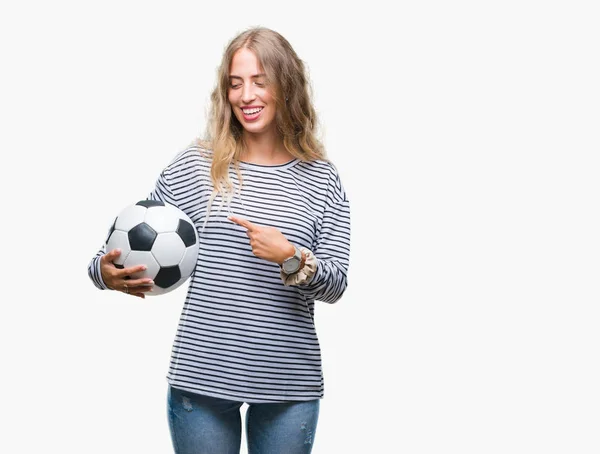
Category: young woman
[278,242]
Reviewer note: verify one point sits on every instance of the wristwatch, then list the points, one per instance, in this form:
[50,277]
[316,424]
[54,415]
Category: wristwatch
[292,264]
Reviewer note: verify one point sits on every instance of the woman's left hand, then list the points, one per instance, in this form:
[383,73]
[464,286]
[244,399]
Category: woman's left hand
[267,242]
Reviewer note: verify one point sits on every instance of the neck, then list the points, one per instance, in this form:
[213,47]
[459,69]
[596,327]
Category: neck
[264,149]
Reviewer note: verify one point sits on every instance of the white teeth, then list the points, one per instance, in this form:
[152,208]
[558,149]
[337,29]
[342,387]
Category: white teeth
[251,111]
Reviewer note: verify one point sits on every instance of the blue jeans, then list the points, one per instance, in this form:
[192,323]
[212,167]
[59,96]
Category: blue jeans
[209,425]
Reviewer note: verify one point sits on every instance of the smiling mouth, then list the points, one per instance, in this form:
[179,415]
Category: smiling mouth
[253,116]
[252,111]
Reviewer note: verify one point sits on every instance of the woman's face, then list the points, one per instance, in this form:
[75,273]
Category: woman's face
[247,93]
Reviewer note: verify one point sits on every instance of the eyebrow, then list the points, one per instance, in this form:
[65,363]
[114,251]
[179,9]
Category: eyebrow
[231,76]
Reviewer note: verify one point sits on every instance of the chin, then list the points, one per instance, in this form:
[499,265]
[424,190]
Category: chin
[256,128]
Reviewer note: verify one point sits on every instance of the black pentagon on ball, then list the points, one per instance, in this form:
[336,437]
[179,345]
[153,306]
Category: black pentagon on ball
[167,276]
[141,237]
[185,230]
[151,203]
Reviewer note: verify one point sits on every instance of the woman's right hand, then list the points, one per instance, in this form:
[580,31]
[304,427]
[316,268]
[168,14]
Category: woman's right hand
[119,279]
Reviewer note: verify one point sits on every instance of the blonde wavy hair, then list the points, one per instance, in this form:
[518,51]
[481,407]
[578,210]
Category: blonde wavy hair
[295,117]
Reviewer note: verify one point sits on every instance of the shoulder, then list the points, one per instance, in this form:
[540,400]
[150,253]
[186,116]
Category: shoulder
[327,173]
[192,156]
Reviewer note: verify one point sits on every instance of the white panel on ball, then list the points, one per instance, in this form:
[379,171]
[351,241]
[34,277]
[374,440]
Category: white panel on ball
[168,248]
[130,217]
[142,258]
[162,219]
[119,240]
[188,262]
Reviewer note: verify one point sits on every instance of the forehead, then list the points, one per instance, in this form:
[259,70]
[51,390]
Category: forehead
[245,64]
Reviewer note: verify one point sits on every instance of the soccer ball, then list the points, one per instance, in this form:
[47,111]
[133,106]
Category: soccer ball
[160,236]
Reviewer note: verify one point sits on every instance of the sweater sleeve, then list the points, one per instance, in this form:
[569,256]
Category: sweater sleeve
[332,249]
[162,191]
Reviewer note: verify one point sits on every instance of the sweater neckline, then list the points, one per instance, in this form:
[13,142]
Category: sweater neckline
[268,167]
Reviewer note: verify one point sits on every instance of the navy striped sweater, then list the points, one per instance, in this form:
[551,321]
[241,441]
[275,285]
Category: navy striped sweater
[243,335]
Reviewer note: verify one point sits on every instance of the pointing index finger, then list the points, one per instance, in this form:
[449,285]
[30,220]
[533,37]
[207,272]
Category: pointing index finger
[243,222]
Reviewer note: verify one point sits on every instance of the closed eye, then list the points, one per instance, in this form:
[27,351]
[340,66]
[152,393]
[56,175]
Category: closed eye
[239,85]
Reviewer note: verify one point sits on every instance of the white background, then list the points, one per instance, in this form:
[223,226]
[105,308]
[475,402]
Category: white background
[467,137]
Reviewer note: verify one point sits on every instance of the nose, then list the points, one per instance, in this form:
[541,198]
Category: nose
[248,93]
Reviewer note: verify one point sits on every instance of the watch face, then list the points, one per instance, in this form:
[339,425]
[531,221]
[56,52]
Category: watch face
[291,265]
